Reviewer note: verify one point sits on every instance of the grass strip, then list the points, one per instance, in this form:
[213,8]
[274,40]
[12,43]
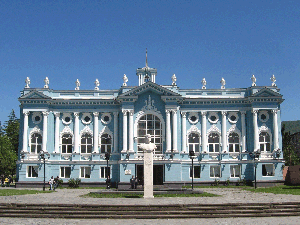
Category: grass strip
[281,189]
[10,192]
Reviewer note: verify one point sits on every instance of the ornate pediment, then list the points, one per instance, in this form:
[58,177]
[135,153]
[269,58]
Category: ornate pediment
[35,95]
[149,86]
[266,92]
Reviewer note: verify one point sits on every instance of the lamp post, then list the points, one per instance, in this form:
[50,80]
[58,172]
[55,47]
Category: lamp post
[254,155]
[107,156]
[43,157]
[192,156]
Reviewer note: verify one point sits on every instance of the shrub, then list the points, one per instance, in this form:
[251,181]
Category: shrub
[74,183]
[59,182]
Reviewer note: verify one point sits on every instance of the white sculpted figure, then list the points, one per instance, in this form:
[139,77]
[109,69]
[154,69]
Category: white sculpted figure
[273,79]
[174,79]
[203,83]
[125,79]
[253,79]
[148,146]
[77,84]
[27,82]
[222,83]
[97,84]
[46,80]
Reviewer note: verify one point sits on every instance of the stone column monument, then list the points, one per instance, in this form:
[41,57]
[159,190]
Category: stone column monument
[148,148]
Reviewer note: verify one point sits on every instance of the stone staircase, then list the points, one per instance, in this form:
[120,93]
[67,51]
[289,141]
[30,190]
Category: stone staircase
[73,211]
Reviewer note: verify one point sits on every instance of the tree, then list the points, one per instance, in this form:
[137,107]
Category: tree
[289,152]
[11,129]
[8,156]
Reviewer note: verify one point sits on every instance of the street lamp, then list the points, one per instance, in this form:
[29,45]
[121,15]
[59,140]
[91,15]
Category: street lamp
[254,155]
[192,156]
[107,156]
[43,157]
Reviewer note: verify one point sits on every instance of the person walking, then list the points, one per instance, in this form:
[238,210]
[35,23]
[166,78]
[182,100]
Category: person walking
[132,182]
[51,182]
[55,185]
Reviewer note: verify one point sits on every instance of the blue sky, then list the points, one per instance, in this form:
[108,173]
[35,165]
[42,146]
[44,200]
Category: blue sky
[85,40]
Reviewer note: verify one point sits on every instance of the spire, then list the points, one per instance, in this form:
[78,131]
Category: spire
[146,59]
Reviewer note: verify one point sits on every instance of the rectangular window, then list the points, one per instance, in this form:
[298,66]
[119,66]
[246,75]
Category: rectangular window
[65,172]
[235,171]
[85,172]
[103,171]
[215,171]
[268,170]
[32,171]
[196,172]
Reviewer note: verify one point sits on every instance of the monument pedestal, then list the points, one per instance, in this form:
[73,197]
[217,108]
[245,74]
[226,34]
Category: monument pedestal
[148,173]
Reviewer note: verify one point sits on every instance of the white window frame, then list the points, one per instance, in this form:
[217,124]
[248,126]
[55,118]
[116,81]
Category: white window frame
[194,171]
[273,170]
[86,144]
[35,143]
[234,169]
[84,171]
[214,144]
[106,145]
[234,144]
[31,168]
[103,171]
[64,171]
[212,167]
[62,144]
[264,142]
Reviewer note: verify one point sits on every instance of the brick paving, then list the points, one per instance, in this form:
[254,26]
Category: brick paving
[230,195]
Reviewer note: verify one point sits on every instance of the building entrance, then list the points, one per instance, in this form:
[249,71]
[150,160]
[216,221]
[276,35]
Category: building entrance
[158,174]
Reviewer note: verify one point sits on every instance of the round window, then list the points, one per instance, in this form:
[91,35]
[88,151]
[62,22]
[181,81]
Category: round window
[67,119]
[193,117]
[106,118]
[86,118]
[233,117]
[263,116]
[213,117]
[36,117]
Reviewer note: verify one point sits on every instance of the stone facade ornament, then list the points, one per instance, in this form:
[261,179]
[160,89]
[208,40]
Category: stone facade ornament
[174,79]
[222,83]
[97,84]
[203,83]
[77,84]
[46,80]
[253,79]
[273,79]
[125,79]
[27,82]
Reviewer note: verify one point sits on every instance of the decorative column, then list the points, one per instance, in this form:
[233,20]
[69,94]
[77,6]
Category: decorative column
[45,128]
[96,132]
[25,132]
[275,128]
[56,148]
[131,130]
[125,124]
[255,128]
[76,133]
[116,131]
[243,113]
[224,141]
[204,140]
[183,123]
[168,130]
[174,129]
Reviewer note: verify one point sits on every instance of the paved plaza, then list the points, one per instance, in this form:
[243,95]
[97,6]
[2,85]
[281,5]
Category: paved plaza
[72,196]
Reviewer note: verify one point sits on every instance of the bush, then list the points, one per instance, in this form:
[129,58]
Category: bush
[59,182]
[74,183]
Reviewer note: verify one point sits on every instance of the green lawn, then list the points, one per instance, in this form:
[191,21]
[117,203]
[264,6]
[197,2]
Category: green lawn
[123,195]
[282,189]
[9,192]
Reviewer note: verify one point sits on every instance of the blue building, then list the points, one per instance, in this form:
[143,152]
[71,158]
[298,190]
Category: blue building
[224,128]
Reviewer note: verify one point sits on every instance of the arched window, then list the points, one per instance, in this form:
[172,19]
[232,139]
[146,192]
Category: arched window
[214,142]
[105,143]
[264,142]
[86,143]
[36,143]
[233,141]
[66,143]
[150,124]
[194,142]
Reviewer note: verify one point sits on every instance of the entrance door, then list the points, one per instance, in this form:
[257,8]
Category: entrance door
[158,174]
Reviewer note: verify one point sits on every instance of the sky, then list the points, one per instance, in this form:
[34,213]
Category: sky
[85,40]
